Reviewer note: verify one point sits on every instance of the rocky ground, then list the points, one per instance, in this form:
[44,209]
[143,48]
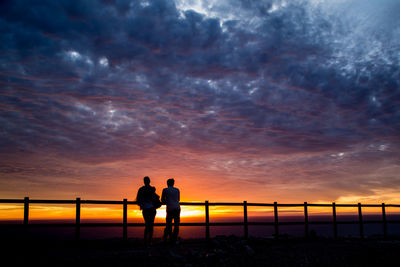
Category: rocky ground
[219,251]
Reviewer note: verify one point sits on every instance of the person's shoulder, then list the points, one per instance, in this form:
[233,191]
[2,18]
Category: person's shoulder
[147,188]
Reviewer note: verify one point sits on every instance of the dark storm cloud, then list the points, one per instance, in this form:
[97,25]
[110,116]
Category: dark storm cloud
[100,81]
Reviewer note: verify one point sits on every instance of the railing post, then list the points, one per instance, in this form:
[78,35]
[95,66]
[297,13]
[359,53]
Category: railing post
[246,227]
[360,221]
[276,223]
[78,219]
[305,220]
[26,211]
[125,219]
[26,216]
[384,222]
[207,221]
[335,232]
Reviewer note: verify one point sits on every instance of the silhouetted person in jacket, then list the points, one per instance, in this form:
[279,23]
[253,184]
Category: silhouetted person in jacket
[171,196]
[144,199]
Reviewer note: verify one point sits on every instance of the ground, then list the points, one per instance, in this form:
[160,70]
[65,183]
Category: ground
[219,251]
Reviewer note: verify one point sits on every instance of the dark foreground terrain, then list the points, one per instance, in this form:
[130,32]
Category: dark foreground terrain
[219,251]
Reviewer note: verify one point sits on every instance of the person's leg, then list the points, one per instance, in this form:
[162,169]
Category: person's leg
[177,220]
[168,227]
[152,215]
[146,222]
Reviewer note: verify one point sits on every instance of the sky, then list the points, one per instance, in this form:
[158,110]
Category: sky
[263,101]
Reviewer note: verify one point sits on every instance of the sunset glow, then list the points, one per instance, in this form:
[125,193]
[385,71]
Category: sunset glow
[257,101]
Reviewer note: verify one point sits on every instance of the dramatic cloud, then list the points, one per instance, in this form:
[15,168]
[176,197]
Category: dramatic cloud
[285,100]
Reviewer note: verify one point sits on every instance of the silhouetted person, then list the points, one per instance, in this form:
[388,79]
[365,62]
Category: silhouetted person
[171,196]
[144,199]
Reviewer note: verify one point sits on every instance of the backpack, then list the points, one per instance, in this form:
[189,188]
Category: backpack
[156,201]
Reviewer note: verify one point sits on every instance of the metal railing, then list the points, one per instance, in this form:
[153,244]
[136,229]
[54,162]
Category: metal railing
[276,223]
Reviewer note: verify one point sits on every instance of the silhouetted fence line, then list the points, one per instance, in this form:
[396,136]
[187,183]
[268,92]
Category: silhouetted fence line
[276,223]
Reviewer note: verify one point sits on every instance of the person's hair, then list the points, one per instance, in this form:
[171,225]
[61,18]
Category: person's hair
[146,180]
[170,182]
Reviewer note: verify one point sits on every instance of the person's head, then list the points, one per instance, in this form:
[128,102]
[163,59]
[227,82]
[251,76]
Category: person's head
[146,180]
[171,182]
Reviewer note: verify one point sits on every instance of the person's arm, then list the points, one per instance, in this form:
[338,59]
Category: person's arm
[179,195]
[163,197]
[139,197]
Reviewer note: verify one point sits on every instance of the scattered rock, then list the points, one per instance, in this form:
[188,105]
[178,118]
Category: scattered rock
[249,250]
[215,243]
[175,257]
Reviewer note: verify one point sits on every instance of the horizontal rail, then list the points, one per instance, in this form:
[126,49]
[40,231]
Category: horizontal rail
[117,202]
[39,225]
[11,201]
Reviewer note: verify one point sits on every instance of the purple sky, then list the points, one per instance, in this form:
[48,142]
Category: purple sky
[237,99]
